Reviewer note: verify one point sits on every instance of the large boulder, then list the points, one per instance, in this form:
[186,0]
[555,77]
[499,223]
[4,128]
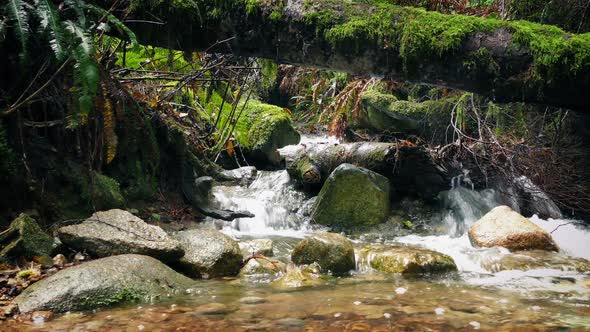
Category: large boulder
[209,253]
[116,232]
[25,238]
[103,282]
[405,259]
[506,228]
[352,197]
[332,252]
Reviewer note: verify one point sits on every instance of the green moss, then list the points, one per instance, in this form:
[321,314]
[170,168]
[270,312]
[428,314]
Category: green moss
[260,129]
[107,299]
[25,239]
[407,260]
[101,191]
[352,198]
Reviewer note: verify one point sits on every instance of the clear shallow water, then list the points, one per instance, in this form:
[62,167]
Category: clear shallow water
[358,303]
[478,297]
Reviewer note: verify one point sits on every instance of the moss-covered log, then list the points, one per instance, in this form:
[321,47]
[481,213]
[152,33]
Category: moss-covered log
[509,61]
[410,169]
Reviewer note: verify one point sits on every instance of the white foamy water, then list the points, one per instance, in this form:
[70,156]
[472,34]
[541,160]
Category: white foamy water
[570,236]
[273,202]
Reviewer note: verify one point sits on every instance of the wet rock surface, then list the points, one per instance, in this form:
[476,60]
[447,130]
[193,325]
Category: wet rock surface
[257,247]
[117,232]
[506,228]
[352,197]
[405,260]
[103,282]
[332,252]
[209,253]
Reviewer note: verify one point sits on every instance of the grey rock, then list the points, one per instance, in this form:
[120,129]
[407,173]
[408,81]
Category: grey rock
[262,247]
[242,176]
[117,232]
[209,253]
[103,282]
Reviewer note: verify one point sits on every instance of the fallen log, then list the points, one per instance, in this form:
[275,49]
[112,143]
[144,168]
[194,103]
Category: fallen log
[411,169]
[505,60]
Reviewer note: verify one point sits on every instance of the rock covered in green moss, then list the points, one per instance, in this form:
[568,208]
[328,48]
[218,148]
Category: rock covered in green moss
[261,128]
[506,228]
[25,238]
[405,259]
[101,283]
[380,115]
[116,232]
[332,252]
[301,276]
[209,253]
[352,197]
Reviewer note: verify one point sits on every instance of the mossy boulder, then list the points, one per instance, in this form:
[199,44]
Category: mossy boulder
[102,283]
[504,227]
[351,198]
[260,130]
[302,276]
[405,260]
[116,232]
[209,253]
[332,252]
[25,238]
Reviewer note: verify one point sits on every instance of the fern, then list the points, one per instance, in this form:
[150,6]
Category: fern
[20,17]
[84,40]
[78,6]
[52,24]
[120,26]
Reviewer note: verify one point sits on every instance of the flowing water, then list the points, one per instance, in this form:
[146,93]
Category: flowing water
[491,292]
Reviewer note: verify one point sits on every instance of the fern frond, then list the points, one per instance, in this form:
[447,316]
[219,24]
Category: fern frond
[120,26]
[20,17]
[51,23]
[84,39]
[78,7]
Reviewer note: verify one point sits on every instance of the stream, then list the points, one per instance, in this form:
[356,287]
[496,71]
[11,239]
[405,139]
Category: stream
[489,293]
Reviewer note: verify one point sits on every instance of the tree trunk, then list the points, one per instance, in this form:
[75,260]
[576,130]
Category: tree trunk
[508,61]
[410,169]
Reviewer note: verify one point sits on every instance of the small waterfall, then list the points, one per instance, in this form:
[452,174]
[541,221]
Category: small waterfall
[271,199]
[464,205]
